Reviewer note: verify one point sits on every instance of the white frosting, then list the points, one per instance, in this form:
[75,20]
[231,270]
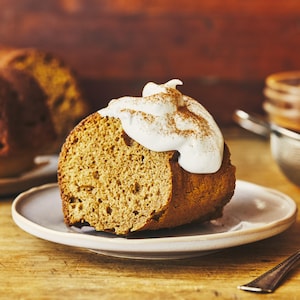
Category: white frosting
[163,120]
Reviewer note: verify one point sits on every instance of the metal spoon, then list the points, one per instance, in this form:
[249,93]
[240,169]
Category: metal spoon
[285,143]
[269,281]
[253,123]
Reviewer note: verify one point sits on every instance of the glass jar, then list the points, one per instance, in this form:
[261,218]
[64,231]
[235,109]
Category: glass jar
[282,102]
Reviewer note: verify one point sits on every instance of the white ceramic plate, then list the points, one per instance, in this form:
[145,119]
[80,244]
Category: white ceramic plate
[253,214]
[44,171]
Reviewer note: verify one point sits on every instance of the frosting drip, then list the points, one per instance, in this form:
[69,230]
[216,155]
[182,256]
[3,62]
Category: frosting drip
[163,119]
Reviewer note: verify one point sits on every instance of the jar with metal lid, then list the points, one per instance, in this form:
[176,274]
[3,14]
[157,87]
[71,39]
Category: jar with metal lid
[282,102]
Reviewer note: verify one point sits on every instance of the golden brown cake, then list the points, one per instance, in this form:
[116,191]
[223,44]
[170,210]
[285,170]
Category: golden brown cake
[64,96]
[113,183]
[26,128]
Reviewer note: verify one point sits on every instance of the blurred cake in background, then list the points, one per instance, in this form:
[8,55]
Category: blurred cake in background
[64,96]
[26,128]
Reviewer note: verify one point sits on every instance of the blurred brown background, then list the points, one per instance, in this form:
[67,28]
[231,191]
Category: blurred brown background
[221,49]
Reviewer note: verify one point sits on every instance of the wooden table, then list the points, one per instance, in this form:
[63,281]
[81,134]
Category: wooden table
[32,268]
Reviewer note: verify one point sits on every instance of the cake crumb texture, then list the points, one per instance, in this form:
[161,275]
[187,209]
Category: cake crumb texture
[114,184]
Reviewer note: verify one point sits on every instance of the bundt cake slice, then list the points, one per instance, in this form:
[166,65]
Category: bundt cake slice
[145,163]
[115,184]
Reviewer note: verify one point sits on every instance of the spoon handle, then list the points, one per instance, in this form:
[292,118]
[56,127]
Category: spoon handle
[269,281]
[254,123]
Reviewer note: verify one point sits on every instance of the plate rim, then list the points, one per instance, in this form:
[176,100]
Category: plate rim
[51,159]
[270,229]
[32,177]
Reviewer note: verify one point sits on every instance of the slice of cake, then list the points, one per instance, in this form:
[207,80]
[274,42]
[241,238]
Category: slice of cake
[145,163]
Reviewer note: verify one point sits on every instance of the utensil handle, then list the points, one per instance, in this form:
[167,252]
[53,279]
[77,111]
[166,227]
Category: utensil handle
[252,123]
[269,281]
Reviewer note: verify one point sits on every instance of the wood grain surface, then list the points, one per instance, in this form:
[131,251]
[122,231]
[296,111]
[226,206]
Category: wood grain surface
[32,268]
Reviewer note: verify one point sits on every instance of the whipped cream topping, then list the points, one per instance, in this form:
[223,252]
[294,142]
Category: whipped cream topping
[163,119]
